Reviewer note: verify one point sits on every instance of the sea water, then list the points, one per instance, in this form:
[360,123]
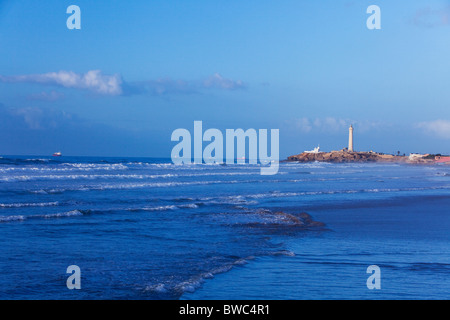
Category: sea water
[141,228]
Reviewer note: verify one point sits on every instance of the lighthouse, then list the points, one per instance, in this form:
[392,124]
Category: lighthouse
[350,139]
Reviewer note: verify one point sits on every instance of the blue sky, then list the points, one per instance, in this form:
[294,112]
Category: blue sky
[138,70]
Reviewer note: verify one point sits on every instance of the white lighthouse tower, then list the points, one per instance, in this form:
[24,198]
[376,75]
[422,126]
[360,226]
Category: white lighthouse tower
[350,139]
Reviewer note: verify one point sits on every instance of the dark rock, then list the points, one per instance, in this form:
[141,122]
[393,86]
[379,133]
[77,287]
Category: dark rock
[291,218]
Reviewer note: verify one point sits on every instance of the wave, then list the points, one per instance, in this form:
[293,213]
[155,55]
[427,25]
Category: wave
[50,165]
[117,186]
[195,282]
[250,199]
[244,199]
[12,218]
[97,166]
[22,205]
[374,190]
[24,178]
[232,199]
[71,213]
[85,177]
[46,165]
[17,161]
[165,208]
[286,253]
[15,178]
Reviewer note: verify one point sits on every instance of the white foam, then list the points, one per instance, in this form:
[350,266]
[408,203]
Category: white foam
[159,288]
[166,208]
[98,166]
[85,177]
[160,208]
[71,213]
[21,205]
[190,206]
[12,218]
[60,215]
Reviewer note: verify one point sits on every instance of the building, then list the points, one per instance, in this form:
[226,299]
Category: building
[350,139]
[417,156]
[316,150]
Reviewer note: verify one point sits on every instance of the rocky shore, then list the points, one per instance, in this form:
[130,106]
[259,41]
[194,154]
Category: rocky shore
[346,156]
[302,219]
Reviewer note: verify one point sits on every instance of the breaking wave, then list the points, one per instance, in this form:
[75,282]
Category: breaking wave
[195,282]
[71,213]
[24,205]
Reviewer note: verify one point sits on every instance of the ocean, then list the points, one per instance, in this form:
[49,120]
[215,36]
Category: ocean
[144,228]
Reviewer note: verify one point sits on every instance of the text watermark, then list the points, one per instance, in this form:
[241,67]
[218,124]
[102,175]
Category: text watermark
[235,149]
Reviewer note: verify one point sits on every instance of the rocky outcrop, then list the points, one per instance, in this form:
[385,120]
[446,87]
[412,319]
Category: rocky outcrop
[345,156]
[309,222]
[302,219]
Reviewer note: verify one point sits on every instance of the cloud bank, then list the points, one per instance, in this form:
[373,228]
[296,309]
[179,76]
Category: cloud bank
[218,82]
[93,80]
[113,85]
[331,124]
[167,86]
[439,128]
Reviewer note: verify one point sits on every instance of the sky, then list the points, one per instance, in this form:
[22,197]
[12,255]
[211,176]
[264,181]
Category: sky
[138,70]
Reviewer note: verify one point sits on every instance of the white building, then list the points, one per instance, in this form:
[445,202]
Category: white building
[350,139]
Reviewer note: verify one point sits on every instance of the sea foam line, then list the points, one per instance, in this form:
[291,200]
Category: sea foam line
[165,208]
[22,205]
[71,213]
[117,186]
[119,176]
[195,282]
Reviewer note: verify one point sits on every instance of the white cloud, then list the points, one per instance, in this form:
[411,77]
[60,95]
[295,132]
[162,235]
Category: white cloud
[304,124]
[92,80]
[219,82]
[333,125]
[167,86]
[31,116]
[328,124]
[36,118]
[100,83]
[439,128]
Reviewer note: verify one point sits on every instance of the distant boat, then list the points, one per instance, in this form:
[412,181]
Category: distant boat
[57,154]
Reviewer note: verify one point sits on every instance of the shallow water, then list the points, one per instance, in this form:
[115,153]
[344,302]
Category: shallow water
[147,229]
